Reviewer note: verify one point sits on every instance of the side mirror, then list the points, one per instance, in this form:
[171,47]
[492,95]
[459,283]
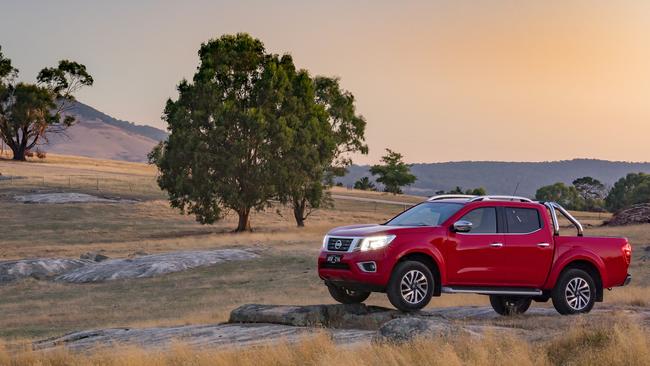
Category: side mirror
[462,226]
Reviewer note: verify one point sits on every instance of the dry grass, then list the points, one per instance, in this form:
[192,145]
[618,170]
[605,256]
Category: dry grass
[629,295]
[37,309]
[624,343]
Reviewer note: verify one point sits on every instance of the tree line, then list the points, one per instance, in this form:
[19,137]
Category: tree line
[589,194]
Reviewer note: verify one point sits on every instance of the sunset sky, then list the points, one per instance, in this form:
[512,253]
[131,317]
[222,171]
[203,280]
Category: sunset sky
[436,80]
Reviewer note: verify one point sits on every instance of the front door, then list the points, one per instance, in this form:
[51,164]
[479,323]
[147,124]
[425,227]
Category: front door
[476,258]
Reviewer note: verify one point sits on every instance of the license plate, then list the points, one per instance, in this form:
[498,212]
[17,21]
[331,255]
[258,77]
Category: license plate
[333,258]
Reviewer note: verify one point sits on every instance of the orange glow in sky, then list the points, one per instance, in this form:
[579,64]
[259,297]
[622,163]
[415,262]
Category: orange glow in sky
[437,81]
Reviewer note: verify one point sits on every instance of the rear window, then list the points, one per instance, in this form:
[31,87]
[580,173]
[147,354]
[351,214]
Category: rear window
[522,220]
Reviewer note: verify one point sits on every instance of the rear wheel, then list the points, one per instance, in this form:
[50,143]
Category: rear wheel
[510,305]
[574,292]
[411,286]
[347,296]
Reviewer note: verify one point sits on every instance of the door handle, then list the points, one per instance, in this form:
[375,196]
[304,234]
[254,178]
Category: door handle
[496,245]
[543,245]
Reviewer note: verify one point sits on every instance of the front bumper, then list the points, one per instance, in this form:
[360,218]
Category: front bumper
[350,273]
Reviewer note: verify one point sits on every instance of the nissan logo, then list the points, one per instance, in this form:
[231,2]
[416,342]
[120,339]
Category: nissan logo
[338,244]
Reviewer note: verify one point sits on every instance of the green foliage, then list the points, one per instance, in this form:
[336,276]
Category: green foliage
[348,128]
[629,190]
[6,69]
[28,112]
[480,191]
[592,191]
[299,173]
[393,173]
[225,132]
[250,128]
[566,196]
[364,184]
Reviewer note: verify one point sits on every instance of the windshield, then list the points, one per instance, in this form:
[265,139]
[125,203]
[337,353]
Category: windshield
[426,214]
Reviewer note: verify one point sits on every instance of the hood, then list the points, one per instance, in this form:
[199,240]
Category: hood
[370,230]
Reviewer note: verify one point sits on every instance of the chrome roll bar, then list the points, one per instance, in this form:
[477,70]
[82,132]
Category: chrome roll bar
[552,206]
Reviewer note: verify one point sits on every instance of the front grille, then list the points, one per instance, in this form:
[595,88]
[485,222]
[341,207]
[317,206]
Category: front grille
[339,244]
[335,265]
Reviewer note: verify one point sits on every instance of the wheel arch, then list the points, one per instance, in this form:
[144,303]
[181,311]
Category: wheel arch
[588,265]
[430,261]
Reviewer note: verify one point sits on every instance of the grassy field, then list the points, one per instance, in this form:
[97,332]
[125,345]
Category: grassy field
[285,273]
[622,343]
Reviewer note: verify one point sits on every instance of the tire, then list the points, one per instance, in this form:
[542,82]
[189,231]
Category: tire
[411,286]
[510,305]
[574,292]
[345,296]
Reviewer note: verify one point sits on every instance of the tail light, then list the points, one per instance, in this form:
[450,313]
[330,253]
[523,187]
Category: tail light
[627,253]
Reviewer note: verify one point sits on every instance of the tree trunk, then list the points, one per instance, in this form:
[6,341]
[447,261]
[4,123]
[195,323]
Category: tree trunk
[299,213]
[19,152]
[244,220]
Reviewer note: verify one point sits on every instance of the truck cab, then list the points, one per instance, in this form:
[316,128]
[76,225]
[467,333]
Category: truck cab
[509,248]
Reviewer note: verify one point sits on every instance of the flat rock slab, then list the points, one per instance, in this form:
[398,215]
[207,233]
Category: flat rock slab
[40,268]
[153,265]
[58,198]
[255,324]
[359,316]
[216,335]
[478,313]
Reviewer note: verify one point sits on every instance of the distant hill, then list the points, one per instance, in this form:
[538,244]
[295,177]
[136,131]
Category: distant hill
[503,177]
[98,135]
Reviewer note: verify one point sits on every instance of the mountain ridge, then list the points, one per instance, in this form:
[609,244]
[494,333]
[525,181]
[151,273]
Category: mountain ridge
[98,135]
[497,177]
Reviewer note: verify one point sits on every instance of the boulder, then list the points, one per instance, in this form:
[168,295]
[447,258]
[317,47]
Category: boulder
[406,328]
[94,256]
[358,316]
[636,214]
[40,268]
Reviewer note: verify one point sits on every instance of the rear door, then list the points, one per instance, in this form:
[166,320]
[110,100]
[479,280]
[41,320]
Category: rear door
[476,258]
[528,247]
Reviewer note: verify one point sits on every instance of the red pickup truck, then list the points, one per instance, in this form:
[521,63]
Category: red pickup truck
[507,247]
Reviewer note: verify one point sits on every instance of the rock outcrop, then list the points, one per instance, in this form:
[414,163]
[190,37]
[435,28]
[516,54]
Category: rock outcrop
[40,268]
[256,324]
[153,265]
[359,316]
[95,267]
[637,214]
[407,328]
[215,335]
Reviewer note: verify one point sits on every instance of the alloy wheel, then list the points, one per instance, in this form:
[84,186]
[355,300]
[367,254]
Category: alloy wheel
[414,286]
[577,293]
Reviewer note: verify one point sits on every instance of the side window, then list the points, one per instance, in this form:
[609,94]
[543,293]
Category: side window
[484,220]
[522,220]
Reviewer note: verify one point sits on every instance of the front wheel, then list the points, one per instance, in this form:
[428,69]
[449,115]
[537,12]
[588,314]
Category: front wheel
[510,305]
[574,292]
[346,296]
[411,286]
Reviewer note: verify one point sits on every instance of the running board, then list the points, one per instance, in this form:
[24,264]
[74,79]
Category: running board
[521,291]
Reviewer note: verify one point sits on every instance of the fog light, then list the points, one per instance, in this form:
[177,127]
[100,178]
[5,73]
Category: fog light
[367,266]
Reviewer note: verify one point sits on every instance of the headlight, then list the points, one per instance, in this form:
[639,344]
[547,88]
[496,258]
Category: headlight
[325,239]
[375,242]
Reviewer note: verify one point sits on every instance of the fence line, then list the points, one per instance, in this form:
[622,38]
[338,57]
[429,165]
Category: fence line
[86,182]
